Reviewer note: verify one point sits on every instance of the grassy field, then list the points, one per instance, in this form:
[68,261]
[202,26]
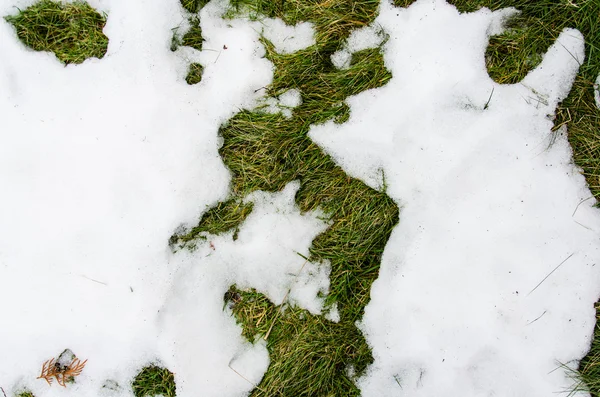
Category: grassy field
[309,354]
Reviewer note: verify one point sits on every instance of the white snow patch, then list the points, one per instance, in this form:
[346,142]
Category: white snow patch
[491,206]
[311,282]
[362,39]
[371,36]
[291,98]
[283,104]
[341,59]
[333,314]
[99,164]
[288,39]
[266,256]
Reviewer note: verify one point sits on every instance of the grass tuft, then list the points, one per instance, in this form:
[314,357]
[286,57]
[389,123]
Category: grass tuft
[588,377]
[298,363]
[193,37]
[154,381]
[25,394]
[73,31]
[193,6]
[225,216]
[194,75]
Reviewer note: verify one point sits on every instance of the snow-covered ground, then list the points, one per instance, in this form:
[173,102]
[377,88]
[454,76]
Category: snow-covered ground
[101,162]
[491,206]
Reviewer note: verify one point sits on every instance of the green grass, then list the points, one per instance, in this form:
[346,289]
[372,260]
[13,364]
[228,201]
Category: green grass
[311,356]
[193,37]
[225,216]
[25,394]
[589,368]
[154,381]
[265,151]
[298,362]
[194,75]
[193,6]
[73,32]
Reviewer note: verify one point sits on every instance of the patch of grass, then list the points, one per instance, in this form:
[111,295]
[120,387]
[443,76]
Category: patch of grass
[72,31]
[310,355]
[154,381]
[193,37]
[266,151]
[223,217]
[589,367]
[318,347]
[25,394]
[193,6]
[514,53]
[194,75]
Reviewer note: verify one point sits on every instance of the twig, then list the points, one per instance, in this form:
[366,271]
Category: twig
[243,377]
[581,202]
[3,392]
[489,99]
[240,375]
[540,316]
[91,279]
[582,225]
[549,274]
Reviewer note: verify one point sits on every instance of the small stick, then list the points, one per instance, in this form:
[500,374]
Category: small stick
[3,392]
[549,274]
[91,279]
[581,202]
[489,99]
[540,316]
[276,316]
[243,377]
[240,375]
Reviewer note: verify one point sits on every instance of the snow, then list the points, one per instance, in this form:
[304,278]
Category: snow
[288,39]
[283,104]
[267,256]
[360,39]
[488,282]
[100,163]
